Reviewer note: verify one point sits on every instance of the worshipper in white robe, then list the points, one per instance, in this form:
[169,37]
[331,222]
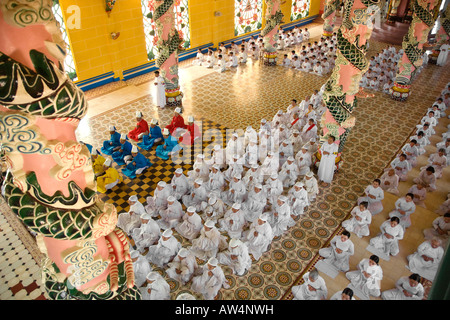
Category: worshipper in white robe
[165,250]
[160,90]
[313,287]
[427,131]
[250,134]
[128,221]
[211,280]
[217,157]
[346,294]
[327,165]
[183,267]
[158,202]
[258,237]
[209,242]
[209,61]
[251,153]
[389,181]
[147,234]
[199,58]
[157,288]
[427,178]
[280,217]
[285,151]
[445,145]
[235,167]
[256,202]
[273,187]
[404,207]
[317,69]
[420,193]
[298,200]
[199,170]
[401,167]
[311,185]
[406,288]
[237,191]
[438,161]
[266,144]
[198,197]
[191,224]
[421,142]
[221,65]
[374,194]
[233,61]
[444,207]
[141,267]
[171,216]
[215,209]
[430,119]
[427,258]
[309,130]
[360,221]
[234,146]
[304,161]
[236,257]
[233,221]
[180,184]
[296,141]
[216,182]
[411,151]
[387,239]
[339,252]
[368,276]
[289,172]
[243,56]
[443,53]
[253,177]
[312,146]
[270,164]
[440,229]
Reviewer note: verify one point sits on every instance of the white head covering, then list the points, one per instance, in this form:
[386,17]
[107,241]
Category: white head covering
[112,128]
[134,254]
[191,209]
[138,114]
[310,174]
[312,140]
[179,170]
[134,149]
[255,166]
[274,175]
[237,176]
[263,217]
[185,296]
[259,186]
[235,242]
[199,181]
[168,233]
[178,110]
[270,153]
[213,262]
[183,252]
[291,158]
[235,135]
[154,121]
[152,276]
[217,147]
[146,216]
[263,121]
[236,205]
[107,162]
[282,198]
[299,184]
[249,129]
[216,166]
[190,119]
[171,199]
[162,183]
[201,156]
[212,200]
[94,152]
[166,132]
[123,136]
[209,223]
[133,198]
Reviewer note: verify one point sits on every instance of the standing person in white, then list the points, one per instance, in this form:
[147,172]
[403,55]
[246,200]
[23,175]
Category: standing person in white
[442,58]
[160,90]
[327,162]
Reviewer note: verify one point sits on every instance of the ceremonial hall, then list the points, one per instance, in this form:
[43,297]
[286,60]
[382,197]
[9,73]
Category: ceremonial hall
[105,106]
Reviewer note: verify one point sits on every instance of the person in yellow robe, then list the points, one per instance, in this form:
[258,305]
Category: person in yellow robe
[97,163]
[110,179]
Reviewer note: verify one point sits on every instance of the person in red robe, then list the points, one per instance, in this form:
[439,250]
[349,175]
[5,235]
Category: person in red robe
[193,132]
[141,128]
[177,122]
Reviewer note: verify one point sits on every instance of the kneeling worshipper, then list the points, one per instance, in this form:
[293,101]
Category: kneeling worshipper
[141,267]
[183,267]
[147,234]
[113,144]
[368,277]
[289,172]
[346,294]
[216,182]
[236,257]
[177,122]
[311,186]
[280,218]
[154,136]
[401,167]
[215,209]
[123,155]
[97,163]
[374,195]
[360,221]
[217,157]
[389,181]
[253,177]
[304,161]
[127,221]
[233,221]
[327,165]
[180,184]
[438,161]
[387,240]
[425,261]
[237,192]
[235,167]
[273,187]
[404,207]
[199,170]
[191,224]
[313,287]
[339,252]
[406,288]
[157,288]
[198,197]
[158,202]
[211,280]
[309,130]
[165,250]
[109,179]
[258,237]
[137,164]
[440,229]
[141,128]
[427,178]
[171,216]
[192,133]
[209,242]
[169,147]
[298,198]
[256,201]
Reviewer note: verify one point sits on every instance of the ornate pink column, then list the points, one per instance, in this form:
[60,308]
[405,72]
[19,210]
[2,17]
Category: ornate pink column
[51,184]
[329,16]
[343,85]
[168,44]
[274,18]
[443,33]
[413,41]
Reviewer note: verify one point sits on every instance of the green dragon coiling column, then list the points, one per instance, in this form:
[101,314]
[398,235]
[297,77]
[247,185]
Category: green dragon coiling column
[443,34]
[50,182]
[343,85]
[274,17]
[329,16]
[413,41]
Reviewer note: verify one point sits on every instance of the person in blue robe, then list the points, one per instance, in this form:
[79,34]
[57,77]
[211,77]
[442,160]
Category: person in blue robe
[170,145]
[123,155]
[137,164]
[155,135]
[113,144]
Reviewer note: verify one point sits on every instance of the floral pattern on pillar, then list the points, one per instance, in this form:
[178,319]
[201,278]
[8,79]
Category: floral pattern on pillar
[274,17]
[329,16]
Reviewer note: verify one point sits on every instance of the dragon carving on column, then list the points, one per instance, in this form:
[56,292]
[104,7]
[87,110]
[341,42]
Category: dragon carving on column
[329,16]
[51,185]
[274,17]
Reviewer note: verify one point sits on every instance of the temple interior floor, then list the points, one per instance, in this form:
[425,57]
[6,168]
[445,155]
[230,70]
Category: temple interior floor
[233,100]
